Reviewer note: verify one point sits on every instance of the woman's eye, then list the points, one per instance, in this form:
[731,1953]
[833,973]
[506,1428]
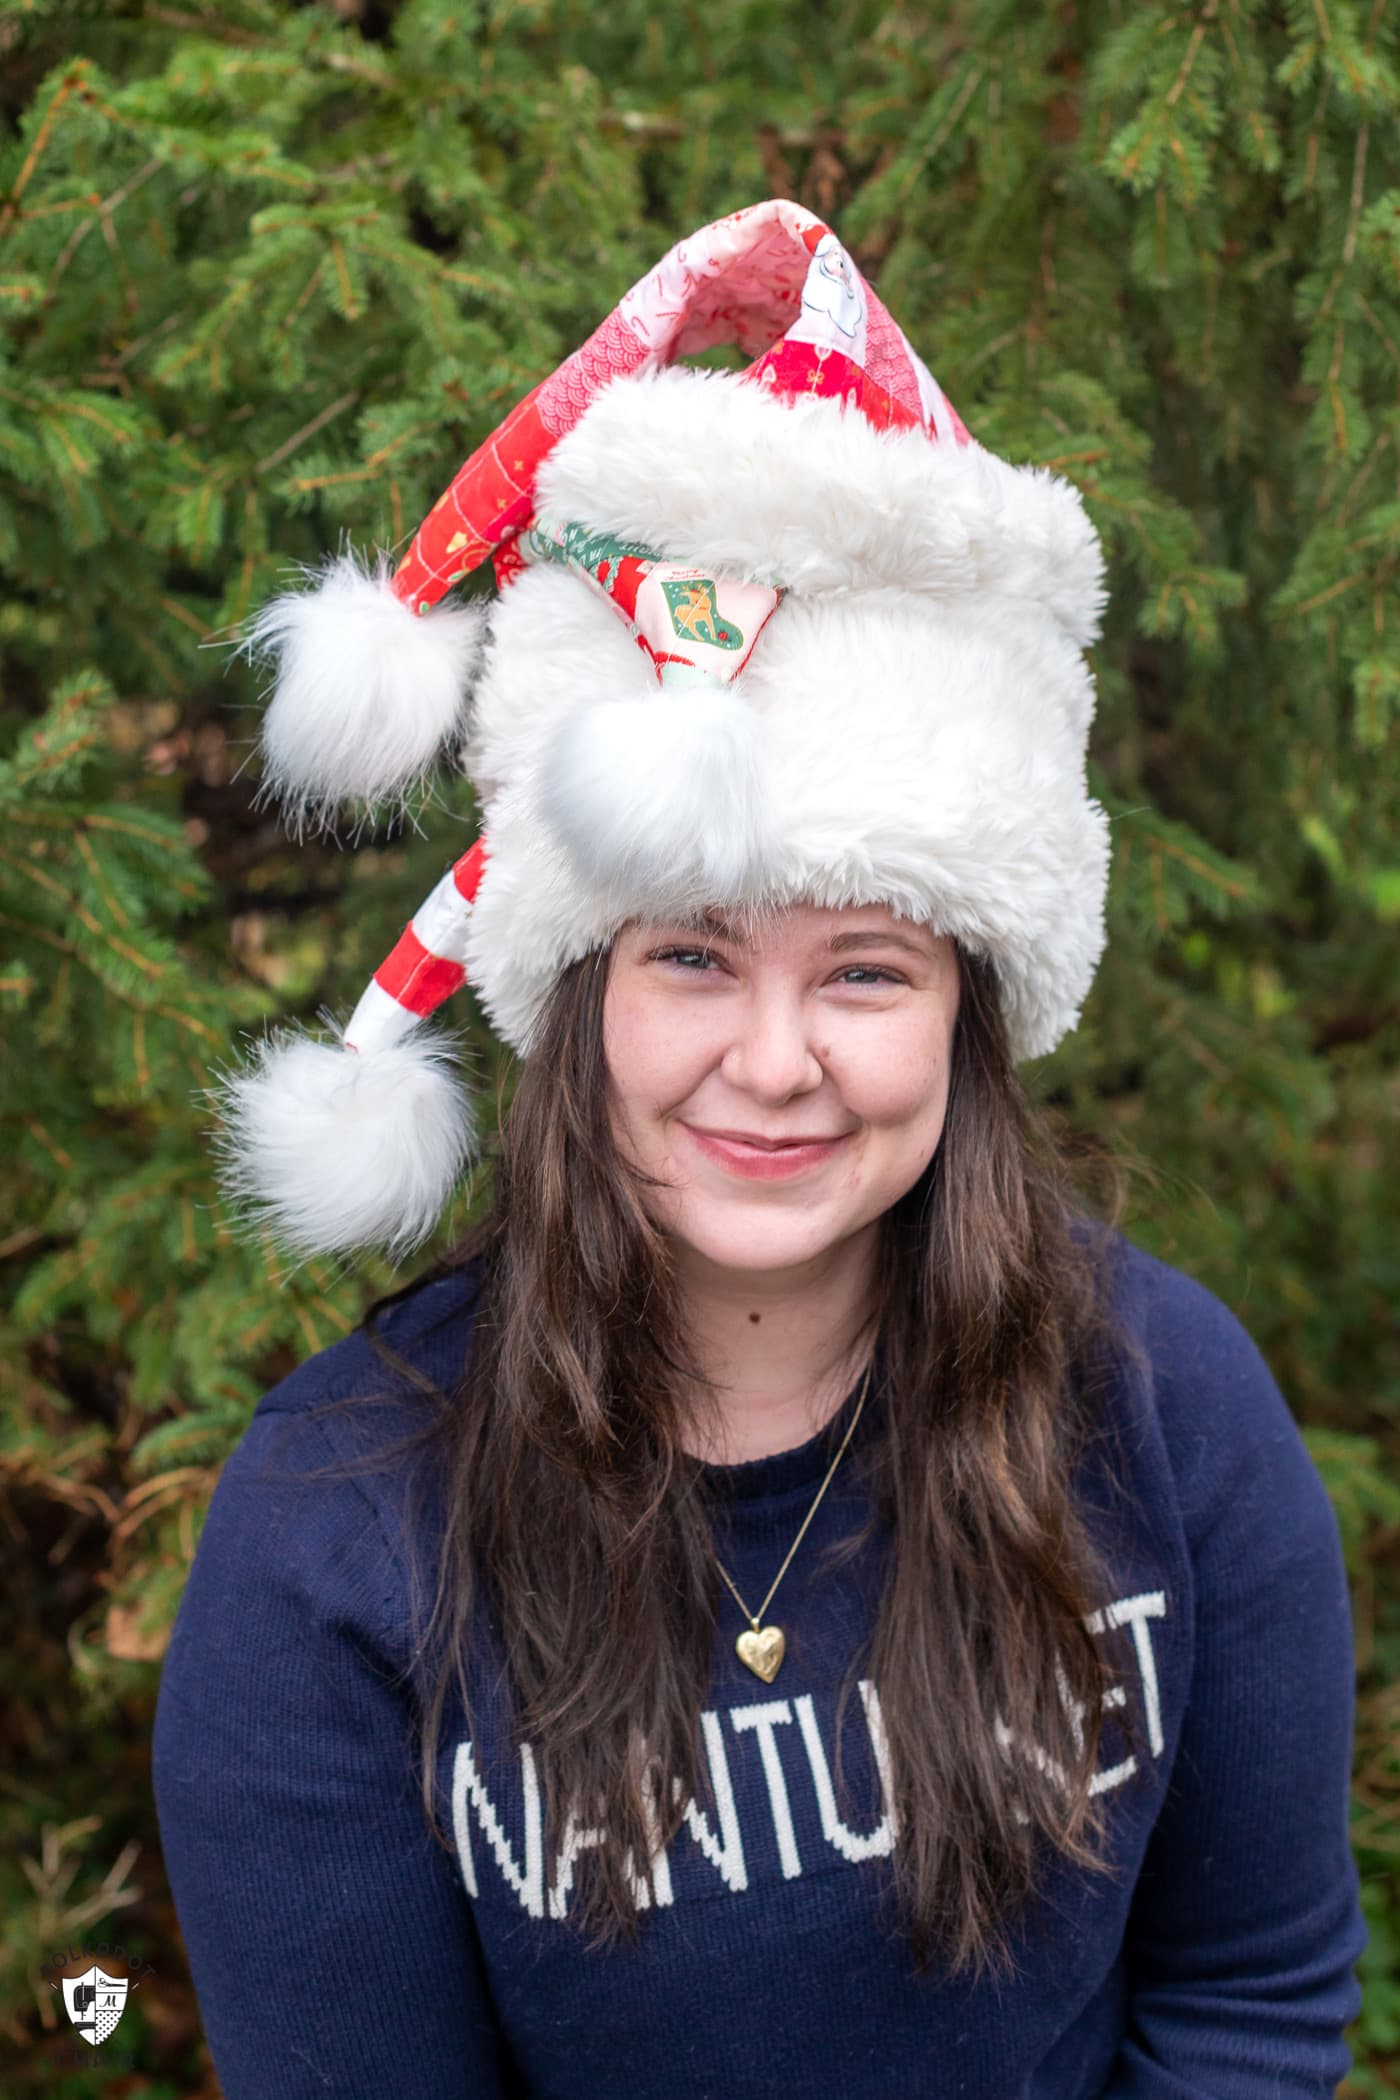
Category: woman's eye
[679,957]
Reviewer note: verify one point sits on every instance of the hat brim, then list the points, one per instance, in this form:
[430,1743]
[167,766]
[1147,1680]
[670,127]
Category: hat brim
[965,806]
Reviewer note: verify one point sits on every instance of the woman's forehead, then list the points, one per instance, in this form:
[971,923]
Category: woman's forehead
[799,923]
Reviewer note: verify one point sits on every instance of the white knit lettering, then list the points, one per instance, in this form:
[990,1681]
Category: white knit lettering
[849,1843]
[722,1846]
[1073,1708]
[875,1721]
[1135,1612]
[727,1851]
[467,1785]
[576,1840]
[660,1865]
[763,1720]
[1103,1782]
[461,1826]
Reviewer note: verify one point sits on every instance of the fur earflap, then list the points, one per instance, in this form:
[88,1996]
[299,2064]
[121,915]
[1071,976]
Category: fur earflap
[334,1149]
[660,797]
[367,693]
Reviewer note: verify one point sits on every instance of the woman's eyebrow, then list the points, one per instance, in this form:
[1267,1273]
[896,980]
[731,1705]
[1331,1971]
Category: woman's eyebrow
[714,922]
[877,938]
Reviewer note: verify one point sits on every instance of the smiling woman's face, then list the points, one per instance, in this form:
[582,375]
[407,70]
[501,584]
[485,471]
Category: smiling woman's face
[828,1025]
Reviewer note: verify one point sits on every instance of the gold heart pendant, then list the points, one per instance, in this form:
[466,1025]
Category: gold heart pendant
[762,1651]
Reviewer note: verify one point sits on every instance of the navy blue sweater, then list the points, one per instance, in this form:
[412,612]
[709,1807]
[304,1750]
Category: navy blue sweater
[336,1949]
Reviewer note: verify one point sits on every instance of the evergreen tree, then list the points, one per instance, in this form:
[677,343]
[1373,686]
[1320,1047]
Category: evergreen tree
[268,272]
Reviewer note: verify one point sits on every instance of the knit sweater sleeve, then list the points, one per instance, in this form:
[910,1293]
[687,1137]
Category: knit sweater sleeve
[1245,1922]
[330,1940]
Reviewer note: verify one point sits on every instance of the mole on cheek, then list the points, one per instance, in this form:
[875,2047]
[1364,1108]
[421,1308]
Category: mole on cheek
[755,1317]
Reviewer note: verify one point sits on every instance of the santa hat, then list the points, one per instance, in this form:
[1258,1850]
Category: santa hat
[781,634]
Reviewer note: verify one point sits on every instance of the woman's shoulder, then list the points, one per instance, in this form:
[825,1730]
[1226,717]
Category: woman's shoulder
[422,1335]
[1174,1317]
[326,1452]
[1236,1451]
[300,1572]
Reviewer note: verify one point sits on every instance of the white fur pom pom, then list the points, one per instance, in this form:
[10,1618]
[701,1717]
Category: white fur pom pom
[366,691]
[333,1149]
[661,796]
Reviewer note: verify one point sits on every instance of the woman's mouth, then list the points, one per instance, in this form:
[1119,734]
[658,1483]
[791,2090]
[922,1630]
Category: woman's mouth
[757,1162]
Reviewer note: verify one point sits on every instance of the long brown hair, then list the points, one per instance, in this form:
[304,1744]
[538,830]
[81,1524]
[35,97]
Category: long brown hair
[572,1505]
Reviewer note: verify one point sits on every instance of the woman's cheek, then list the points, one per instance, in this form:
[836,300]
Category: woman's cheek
[895,1076]
[658,1058]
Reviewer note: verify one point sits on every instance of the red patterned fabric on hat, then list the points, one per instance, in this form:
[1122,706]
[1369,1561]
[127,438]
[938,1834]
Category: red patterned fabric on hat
[772,279]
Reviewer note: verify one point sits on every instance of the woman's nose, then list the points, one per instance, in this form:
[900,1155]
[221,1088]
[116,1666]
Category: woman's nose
[773,1052]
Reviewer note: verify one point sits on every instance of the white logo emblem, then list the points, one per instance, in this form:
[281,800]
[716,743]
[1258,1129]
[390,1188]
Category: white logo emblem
[95,2003]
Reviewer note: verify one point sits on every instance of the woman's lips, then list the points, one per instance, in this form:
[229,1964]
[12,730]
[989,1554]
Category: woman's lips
[757,1164]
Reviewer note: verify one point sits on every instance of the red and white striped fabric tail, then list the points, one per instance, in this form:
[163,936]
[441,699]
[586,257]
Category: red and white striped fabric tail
[426,965]
[337,1146]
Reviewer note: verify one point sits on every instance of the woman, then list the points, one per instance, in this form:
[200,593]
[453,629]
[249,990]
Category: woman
[788,1605]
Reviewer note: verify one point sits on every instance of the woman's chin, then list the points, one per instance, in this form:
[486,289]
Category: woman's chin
[727,1238]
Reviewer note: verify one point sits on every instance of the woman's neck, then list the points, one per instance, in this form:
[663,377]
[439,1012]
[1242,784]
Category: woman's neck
[783,1347]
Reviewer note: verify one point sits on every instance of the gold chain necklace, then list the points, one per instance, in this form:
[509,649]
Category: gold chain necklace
[762,1647]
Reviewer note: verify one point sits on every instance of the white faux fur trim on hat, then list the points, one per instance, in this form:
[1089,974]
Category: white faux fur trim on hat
[712,469]
[332,1150]
[914,753]
[367,693]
